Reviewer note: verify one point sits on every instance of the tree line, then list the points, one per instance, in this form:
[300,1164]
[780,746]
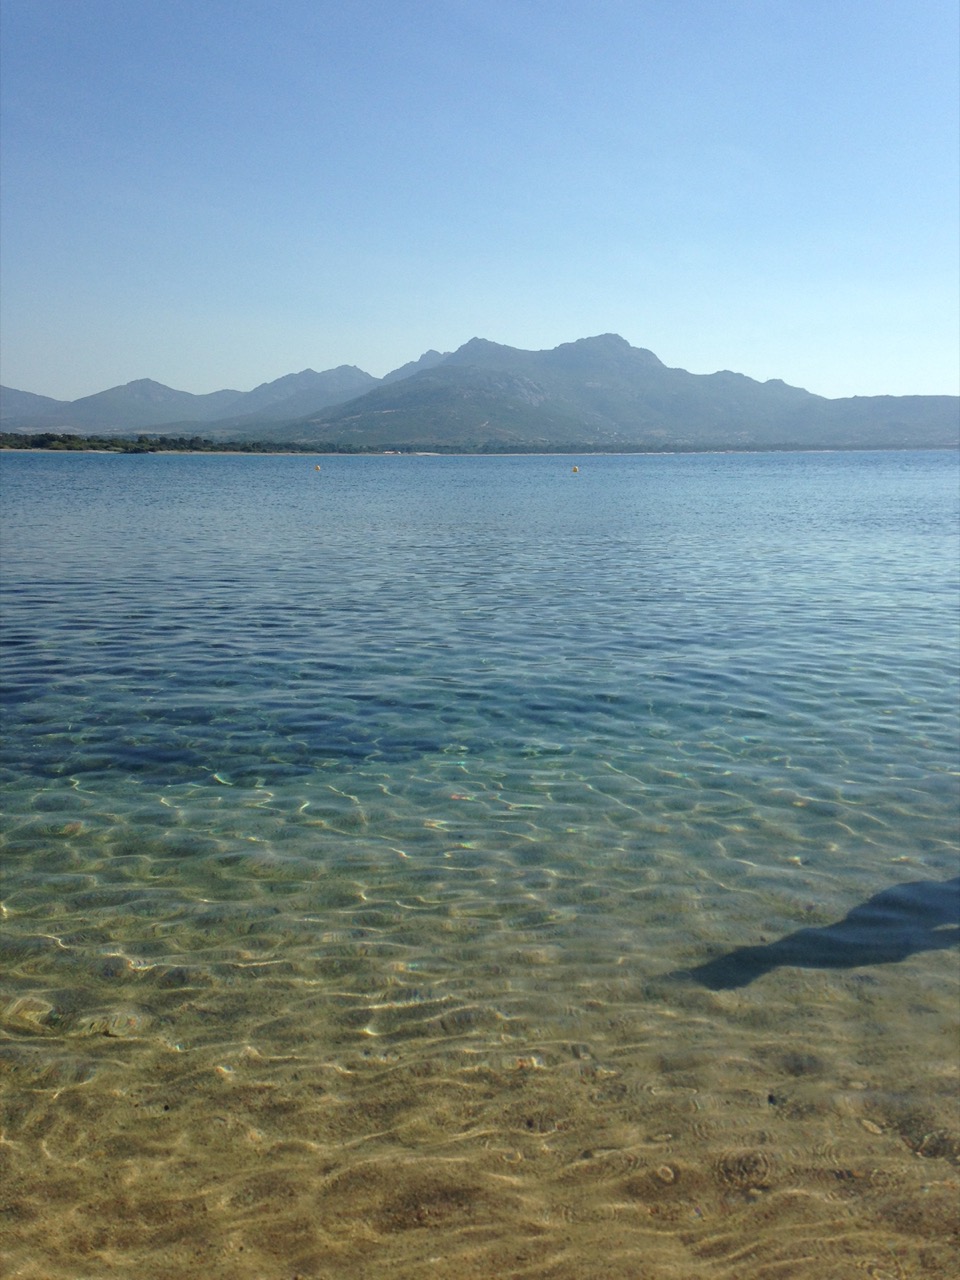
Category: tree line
[68,442]
[62,441]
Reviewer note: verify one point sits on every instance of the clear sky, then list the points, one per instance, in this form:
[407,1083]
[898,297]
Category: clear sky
[213,193]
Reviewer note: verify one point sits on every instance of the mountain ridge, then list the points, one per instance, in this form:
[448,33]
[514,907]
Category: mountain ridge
[601,392]
[593,392]
[145,403]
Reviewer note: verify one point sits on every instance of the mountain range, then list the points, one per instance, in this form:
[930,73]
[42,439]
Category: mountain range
[595,393]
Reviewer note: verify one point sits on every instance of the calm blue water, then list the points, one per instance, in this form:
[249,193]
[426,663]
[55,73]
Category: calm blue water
[423,760]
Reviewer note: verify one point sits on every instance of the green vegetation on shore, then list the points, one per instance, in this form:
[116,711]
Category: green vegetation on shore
[66,442]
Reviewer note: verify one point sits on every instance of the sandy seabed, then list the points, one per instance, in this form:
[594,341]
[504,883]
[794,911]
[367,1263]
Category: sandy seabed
[625,1135]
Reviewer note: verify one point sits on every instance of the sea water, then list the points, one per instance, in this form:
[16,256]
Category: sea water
[480,867]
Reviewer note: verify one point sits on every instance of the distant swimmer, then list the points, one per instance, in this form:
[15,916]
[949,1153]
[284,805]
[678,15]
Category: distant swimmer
[576,470]
[317,467]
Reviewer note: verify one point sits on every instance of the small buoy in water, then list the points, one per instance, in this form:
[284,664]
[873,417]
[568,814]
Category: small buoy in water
[576,470]
[317,467]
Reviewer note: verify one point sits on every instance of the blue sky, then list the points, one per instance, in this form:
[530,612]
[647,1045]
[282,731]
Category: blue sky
[215,194]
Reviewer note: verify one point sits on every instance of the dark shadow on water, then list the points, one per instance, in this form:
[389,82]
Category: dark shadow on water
[921,916]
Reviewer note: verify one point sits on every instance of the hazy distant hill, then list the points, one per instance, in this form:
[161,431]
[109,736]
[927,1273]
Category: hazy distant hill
[293,397]
[594,393]
[24,404]
[142,404]
[136,405]
[145,403]
[426,361]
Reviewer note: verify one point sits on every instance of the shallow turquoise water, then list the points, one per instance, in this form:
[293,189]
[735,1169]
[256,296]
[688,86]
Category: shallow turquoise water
[477,759]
